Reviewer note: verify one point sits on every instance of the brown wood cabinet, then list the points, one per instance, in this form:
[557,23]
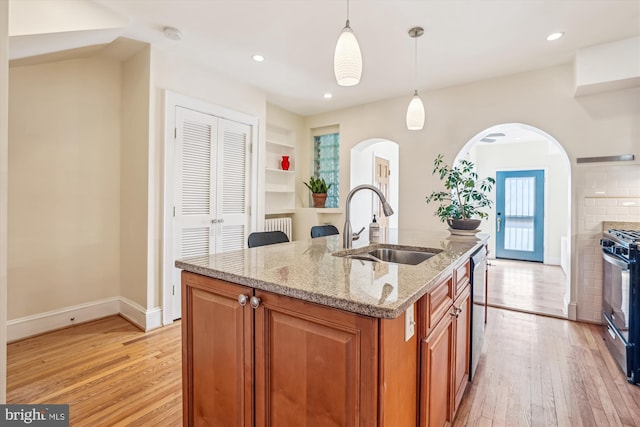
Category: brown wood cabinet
[461,351]
[216,353]
[435,376]
[445,330]
[278,361]
[314,366]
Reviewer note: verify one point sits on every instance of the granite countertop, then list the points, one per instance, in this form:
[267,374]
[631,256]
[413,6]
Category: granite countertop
[307,270]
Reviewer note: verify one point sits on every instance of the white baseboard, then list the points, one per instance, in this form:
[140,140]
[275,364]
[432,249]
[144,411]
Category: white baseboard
[572,309]
[28,326]
[136,314]
[552,261]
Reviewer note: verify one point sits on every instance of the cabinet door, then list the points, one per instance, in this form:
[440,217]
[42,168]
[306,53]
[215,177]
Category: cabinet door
[216,355]
[435,375]
[314,366]
[462,345]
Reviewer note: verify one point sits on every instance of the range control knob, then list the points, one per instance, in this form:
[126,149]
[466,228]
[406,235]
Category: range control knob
[619,250]
[606,243]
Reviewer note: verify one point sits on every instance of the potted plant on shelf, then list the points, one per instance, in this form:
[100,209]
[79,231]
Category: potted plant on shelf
[465,196]
[319,189]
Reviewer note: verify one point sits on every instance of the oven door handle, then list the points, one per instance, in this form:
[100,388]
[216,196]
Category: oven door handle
[615,261]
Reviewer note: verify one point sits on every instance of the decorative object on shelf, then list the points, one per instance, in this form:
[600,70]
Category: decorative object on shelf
[466,195]
[285,163]
[319,189]
[415,111]
[347,59]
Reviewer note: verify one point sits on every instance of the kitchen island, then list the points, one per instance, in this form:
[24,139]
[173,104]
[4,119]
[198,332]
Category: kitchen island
[293,334]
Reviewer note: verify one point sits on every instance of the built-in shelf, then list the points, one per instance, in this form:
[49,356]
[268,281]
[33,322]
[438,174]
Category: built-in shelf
[282,212]
[280,185]
[277,171]
[326,210]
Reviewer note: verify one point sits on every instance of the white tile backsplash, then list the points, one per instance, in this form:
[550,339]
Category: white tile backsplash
[604,194]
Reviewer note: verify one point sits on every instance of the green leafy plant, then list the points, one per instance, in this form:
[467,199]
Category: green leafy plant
[317,185]
[465,194]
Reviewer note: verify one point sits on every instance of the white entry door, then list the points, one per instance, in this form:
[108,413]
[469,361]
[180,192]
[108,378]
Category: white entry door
[211,188]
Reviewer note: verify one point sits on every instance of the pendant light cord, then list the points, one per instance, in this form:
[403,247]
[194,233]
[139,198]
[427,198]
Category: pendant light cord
[347,13]
[415,70]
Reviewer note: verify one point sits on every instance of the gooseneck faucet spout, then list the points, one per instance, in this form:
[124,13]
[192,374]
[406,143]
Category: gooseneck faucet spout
[347,234]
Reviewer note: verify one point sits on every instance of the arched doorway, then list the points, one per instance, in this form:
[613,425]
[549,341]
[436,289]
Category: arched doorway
[366,160]
[511,148]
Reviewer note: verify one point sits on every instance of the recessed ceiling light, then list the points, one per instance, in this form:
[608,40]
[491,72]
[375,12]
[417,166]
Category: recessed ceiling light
[258,58]
[172,33]
[327,96]
[554,36]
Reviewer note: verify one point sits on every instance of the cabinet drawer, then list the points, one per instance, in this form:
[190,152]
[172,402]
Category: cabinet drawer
[461,276]
[435,304]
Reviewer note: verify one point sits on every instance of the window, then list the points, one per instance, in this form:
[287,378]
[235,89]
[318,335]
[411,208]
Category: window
[326,164]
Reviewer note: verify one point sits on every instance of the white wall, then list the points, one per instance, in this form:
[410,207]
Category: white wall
[186,78]
[608,66]
[527,155]
[86,190]
[64,185]
[134,173]
[4,125]
[595,125]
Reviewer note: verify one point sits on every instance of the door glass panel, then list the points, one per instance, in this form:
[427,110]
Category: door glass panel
[519,213]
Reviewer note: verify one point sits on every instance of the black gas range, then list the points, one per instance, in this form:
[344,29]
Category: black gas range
[621,299]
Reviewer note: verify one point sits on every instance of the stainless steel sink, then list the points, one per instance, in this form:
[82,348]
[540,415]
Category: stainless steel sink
[390,254]
[400,256]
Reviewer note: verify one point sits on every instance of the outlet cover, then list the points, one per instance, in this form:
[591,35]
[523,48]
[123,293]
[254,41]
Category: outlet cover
[409,323]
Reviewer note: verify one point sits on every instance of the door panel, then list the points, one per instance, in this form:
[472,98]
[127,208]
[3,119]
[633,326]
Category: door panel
[212,180]
[435,376]
[195,194]
[233,197]
[381,178]
[520,215]
[314,366]
[217,349]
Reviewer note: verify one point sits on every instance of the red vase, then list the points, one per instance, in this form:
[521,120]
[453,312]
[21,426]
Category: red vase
[285,163]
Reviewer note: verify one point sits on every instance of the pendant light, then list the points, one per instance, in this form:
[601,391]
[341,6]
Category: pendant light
[347,59]
[415,111]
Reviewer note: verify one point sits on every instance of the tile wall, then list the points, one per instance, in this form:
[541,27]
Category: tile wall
[609,193]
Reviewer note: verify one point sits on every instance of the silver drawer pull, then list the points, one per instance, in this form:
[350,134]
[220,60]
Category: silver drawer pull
[613,335]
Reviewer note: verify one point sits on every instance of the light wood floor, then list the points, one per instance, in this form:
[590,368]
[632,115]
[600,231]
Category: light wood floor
[546,372]
[110,372]
[528,286]
[534,371]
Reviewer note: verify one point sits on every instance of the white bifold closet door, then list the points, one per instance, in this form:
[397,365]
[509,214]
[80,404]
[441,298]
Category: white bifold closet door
[211,187]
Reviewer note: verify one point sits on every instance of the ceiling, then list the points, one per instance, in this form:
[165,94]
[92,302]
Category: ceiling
[464,40]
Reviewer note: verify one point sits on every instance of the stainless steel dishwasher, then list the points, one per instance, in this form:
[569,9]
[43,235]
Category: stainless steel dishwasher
[479,299]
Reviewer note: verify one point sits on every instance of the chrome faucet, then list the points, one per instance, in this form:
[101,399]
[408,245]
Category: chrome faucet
[347,234]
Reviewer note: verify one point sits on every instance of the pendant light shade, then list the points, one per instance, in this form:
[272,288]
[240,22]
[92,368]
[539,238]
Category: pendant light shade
[415,113]
[347,59]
